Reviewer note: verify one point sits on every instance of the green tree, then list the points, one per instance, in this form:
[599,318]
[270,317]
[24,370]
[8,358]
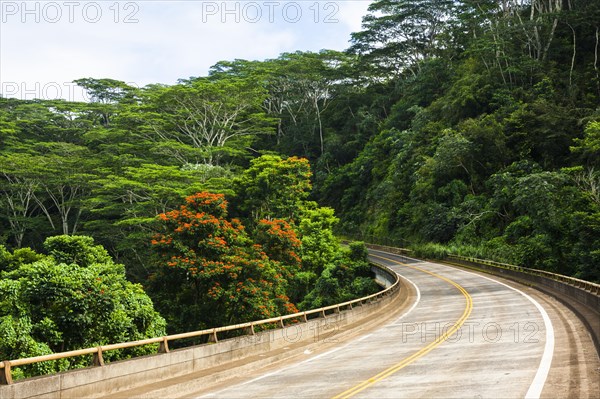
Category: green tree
[398,34]
[319,245]
[588,147]
[105,95]
[18,190]
[75,297]
[202,120]
[347,277]
[273,187]
[301,88]
[51,182]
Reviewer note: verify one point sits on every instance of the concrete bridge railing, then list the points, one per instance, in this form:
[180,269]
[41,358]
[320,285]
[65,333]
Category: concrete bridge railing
[102,379]
[582,297]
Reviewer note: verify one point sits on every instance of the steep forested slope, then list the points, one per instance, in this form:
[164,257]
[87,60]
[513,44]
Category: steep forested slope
[486,135]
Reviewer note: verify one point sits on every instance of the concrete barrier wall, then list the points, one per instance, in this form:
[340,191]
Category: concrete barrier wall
[383,277]
[585,304]
[128,374]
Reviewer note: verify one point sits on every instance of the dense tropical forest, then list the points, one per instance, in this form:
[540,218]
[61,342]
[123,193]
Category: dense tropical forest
[468,127]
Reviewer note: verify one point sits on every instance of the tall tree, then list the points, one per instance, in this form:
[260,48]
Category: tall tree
[105,95]
[202,121]
[273,187]
[398,34]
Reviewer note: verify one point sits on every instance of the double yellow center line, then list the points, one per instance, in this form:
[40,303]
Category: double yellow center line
[423,351]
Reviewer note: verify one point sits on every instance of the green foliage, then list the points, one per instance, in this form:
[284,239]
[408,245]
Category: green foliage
[17,343]
[398,35]
[347,276]
[430,251]
[358,251]
[319,245]
[76,249]
[273,187]
[302,89]
[499,158]
[11,261]
[75,297]
[588,147]
[207,120]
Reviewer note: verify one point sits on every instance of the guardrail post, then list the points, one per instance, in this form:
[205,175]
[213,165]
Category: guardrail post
[305,317]
[163,347]
[281,322]
[212,338]
[97,359]
[6,375]
[250,330]
[322,313]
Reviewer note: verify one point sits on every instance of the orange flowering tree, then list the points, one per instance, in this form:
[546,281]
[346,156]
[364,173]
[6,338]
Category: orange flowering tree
[211,273]
[280,242]
[283,246]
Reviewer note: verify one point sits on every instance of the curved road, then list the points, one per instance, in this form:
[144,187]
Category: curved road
[466,335]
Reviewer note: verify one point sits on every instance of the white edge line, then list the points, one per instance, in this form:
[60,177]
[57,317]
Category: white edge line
[414,305]
[348,344]
[535,389]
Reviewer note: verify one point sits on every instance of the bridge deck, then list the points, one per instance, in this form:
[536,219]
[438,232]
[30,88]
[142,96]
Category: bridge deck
[465,335]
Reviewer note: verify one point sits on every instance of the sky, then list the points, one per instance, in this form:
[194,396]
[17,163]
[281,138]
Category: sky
[45,45]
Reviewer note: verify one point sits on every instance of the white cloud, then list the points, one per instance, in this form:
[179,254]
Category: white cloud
[351,13]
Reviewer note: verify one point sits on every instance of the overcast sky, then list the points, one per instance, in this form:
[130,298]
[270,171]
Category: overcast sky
[45,45]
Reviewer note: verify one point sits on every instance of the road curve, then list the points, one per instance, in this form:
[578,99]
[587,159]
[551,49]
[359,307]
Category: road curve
[466,335]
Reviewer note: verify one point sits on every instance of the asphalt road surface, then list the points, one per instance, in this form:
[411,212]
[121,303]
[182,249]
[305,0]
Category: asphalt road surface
[463,335]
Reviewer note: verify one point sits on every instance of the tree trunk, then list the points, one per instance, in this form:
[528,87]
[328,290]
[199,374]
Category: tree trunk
[596,58]
[574,54]
[550,39]
[320,127]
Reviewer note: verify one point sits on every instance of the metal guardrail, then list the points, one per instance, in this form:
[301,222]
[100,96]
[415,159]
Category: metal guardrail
[575,282]
[212,333]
